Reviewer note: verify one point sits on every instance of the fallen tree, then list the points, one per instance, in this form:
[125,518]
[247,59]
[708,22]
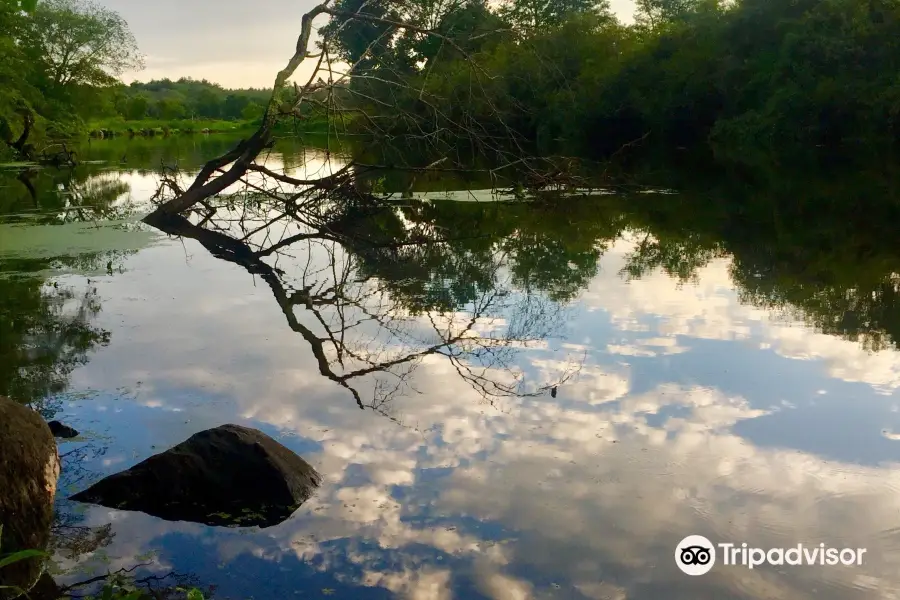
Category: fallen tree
[360,255]
[438,135]
[57,155]
[350,292]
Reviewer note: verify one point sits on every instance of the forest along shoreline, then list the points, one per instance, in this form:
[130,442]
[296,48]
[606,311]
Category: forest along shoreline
[566,75]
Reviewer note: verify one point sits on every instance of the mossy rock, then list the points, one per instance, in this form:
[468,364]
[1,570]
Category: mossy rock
[29,469]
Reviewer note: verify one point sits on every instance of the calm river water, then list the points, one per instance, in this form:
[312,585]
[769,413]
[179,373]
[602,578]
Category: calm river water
[725,373]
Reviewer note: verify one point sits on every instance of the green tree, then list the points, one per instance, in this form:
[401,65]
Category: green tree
[82,43]
[655,13]
[137,107]
[23,5]
[252,112]
[16,92]
[470,25]
[531,16]
[170,108]
[208,104]
[234,105]
[351,39]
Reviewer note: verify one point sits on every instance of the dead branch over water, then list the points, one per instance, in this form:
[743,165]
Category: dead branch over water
[354,306]
[335,290]
[444,138]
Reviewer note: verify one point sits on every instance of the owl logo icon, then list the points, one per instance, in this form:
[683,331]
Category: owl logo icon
[695,555]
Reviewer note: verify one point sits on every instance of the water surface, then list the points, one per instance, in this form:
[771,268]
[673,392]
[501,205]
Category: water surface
[722,372]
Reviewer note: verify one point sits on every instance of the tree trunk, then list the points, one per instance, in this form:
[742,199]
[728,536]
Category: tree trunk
[27,124]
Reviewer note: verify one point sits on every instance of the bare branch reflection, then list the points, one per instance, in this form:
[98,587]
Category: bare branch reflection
[373,294]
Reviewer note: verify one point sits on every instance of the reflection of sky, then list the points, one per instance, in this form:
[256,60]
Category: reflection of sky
[691,414]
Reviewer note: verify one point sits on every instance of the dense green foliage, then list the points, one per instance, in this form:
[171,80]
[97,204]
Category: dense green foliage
[60,68]
[748,75]
[57,60]
[187,99]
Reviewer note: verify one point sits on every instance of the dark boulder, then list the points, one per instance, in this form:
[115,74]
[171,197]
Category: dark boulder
[29,468]
[229,475]
[61,431]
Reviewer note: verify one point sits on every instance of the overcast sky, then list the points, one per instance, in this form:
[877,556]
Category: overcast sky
[235,43]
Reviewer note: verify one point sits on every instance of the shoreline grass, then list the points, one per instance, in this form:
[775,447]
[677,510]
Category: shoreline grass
[118,126]
[152,127]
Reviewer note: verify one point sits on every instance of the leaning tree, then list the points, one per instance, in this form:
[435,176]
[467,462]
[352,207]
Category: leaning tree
[356,253]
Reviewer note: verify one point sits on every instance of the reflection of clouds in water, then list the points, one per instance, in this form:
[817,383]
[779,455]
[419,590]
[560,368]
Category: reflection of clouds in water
[709,310]
[583,503]
[592,384]
[424,584]
[648,347]
[590,491]
[134,533]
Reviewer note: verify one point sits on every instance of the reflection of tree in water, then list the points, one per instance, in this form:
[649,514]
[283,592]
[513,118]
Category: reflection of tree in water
[363,260]
[858,302]
[45,330]
[147,154]
[820,250]
[46,326]
[95,199]
[45,333]
[680,258]
[376,289]
[51,196]
[544,249]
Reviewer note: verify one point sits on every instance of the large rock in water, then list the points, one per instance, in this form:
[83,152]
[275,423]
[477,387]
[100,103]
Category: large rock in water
[29,469]
[229,475]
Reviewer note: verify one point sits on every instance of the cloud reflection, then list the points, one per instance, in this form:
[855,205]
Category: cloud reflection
[584,496]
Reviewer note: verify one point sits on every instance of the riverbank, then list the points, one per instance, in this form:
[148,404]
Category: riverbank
[150,127]
[104,128]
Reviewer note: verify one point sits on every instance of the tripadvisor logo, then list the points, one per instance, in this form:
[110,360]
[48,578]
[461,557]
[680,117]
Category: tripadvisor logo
[696,555]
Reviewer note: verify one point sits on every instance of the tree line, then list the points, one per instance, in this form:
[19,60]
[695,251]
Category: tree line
[746,76]
[185,98]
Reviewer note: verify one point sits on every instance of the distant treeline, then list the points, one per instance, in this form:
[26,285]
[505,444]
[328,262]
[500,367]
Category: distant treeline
[164,106]
[61,63]
[185,99]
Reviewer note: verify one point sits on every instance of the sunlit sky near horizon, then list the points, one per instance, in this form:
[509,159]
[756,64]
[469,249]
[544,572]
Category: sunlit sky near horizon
[236,44]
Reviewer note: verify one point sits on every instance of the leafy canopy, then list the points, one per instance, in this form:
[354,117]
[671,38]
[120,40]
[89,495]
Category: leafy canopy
[83,43]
